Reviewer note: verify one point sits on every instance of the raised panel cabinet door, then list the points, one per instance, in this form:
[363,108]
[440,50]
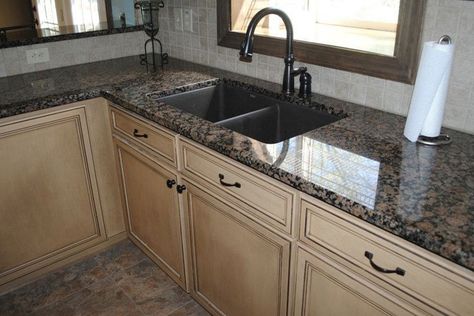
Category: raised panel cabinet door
[239,268]
[325,288]
[153,211]
[49,205]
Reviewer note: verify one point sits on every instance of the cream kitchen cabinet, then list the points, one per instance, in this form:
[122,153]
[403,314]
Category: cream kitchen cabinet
[350,259]
[156,140]
[325,287]
[153,213]
[58,193]
[263,199]
[240,242]
[254,246]
[238,267]
[146,160]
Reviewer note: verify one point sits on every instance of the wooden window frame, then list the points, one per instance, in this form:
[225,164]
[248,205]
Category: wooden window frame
[400,67]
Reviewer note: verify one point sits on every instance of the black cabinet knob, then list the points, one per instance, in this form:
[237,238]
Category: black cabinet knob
[170,183]
[180,188]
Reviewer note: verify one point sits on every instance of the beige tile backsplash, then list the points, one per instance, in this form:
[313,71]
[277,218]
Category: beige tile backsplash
[452,17]
[72,52]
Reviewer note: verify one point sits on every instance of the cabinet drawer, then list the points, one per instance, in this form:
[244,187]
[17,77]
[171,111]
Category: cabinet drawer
[449,292]
[270,203]
[324,287]
[158,140]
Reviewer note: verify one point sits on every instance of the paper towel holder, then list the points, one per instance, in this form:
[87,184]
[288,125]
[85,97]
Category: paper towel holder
[442,139]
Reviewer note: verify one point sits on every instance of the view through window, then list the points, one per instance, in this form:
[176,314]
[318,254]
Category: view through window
[85,12]
[365,25]
[47,15]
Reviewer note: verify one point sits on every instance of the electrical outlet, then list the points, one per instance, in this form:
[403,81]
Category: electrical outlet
[188,20]
[35,56]
[43,84]
[178,19]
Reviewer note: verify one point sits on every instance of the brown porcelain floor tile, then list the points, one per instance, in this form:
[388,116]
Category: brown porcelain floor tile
[190,309]
[163,302]
[119,281]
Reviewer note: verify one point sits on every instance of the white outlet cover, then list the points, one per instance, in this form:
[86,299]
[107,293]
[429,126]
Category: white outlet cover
[188,20]
[178,19]
[35,56]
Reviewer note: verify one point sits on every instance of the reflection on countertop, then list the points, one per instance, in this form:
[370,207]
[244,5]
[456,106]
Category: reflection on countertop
[360,164]
[335,169]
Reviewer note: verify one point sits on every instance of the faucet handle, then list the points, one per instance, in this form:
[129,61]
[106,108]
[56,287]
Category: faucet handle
[299,71]
[305,85]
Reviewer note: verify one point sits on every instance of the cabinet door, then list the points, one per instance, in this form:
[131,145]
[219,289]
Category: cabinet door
[49,205]
[325,288]
[152,207]
[239,268]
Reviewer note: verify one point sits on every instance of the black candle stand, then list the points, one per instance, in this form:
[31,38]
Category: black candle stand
[150,10]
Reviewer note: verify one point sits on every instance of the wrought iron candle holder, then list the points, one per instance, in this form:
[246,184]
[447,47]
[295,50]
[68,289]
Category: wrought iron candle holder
[150,10]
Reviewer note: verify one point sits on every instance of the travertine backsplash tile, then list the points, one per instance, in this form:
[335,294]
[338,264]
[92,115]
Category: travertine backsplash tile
[72,52]
[452,17]
[3,70]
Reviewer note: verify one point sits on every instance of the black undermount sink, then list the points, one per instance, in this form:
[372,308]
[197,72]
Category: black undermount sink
[278,122]
[218,102]
[257,116]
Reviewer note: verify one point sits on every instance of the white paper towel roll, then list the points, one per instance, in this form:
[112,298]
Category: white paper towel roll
[431,88]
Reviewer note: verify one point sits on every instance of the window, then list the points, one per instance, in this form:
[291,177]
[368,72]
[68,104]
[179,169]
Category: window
[85,13]
[369,25]
[47,16]
[374,37]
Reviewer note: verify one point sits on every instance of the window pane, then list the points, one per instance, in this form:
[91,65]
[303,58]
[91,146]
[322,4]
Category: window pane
[366,25]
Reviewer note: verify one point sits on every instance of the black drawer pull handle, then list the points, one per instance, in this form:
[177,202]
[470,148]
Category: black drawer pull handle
[170,183]
[180,188]
[397,270]
[135,133]
[221,177]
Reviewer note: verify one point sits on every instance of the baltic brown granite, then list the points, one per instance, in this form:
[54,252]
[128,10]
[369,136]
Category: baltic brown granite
[361,164]
[119,281]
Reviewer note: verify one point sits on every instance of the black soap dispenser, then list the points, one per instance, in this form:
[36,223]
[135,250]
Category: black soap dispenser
[305,85]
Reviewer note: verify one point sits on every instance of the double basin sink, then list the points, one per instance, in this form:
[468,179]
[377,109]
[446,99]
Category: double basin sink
[266,119]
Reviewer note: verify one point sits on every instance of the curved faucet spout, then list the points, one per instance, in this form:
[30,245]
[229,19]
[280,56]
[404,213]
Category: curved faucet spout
[246,50]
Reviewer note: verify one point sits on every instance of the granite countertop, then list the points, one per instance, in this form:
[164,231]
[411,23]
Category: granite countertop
[360,164]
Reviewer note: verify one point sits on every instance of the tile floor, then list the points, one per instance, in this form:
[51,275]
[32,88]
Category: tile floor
[119,281]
